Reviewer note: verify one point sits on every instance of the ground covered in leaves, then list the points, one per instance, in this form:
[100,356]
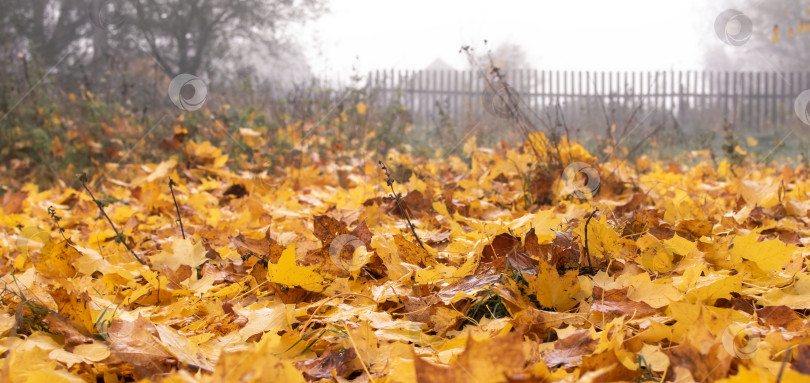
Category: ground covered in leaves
[312,272]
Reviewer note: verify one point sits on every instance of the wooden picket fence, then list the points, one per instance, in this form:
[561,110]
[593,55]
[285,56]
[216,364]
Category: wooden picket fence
[752,100]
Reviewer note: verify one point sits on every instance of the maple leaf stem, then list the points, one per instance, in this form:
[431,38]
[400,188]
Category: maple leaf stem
[179,218]
[118,235]
[390,181]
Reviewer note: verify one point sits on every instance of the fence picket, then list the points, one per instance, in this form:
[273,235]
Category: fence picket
[755,100]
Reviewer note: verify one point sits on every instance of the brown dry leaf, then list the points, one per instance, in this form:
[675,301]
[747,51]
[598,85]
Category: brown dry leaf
[468,286]
[12,202]
[415,202]
[539,322]
[72,332]
[565,252]
[437,237]
[801,363]
[266,248]
[705,365]
[532,245]
[177,276]
[328,366]
[420,309]
[362,233]
[780,317]
[135,342]
[570,350]
[501,246]
[615,303]
[327,228]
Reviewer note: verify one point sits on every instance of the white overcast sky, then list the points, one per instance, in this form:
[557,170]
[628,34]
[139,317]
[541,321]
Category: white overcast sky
[562,34]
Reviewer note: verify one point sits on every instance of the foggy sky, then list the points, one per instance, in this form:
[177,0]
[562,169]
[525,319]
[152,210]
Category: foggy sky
[585,34]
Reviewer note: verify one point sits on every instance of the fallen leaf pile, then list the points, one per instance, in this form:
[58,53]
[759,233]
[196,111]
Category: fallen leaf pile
[313,272]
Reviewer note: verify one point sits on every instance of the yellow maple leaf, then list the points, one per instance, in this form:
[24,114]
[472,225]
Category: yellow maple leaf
[162,170]
[795,296]
[261,319]
[654,255]
[767,255]
[183,252]
[603,241]
[57,260]
[711,288]
[553,290]
[759,193]
[288,273]
[679,245]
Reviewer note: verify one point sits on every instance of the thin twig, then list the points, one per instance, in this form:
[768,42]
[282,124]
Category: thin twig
[638,107]
[360,358]
[390,181]
[587,251]
[782,367]
[496,82]
[56,219]
[179,218]
[119,236]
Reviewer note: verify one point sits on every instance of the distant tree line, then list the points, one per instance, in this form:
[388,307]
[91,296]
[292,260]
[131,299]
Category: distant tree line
[86,37]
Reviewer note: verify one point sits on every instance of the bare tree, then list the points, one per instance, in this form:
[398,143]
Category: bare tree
[46,28]
[186,36]
[183,36]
